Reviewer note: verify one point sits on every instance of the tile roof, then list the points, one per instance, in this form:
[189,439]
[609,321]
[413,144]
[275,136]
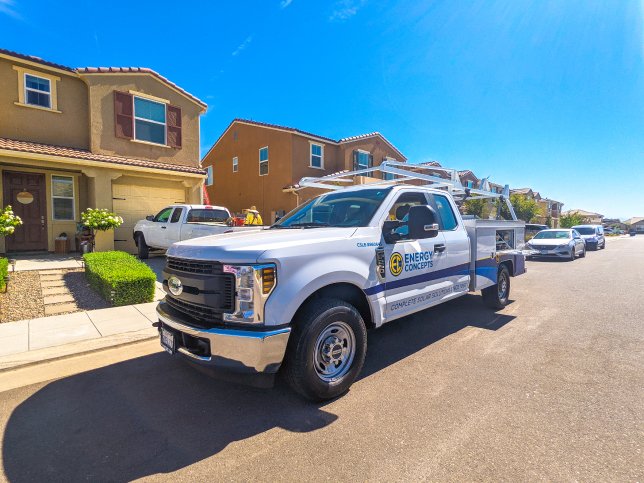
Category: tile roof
[139,70]
[33,58]
[635,219]
[105,70]
[306,133]
[65,152]
[583,213]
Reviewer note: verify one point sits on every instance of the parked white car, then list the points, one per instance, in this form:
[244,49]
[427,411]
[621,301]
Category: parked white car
[181,222]
[557,243]
[593,235]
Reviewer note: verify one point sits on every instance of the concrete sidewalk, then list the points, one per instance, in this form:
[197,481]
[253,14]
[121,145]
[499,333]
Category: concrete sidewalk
[46,338]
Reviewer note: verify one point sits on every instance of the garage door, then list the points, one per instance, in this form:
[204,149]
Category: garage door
[135,202]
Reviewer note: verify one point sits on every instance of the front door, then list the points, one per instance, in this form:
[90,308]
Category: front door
[25,192]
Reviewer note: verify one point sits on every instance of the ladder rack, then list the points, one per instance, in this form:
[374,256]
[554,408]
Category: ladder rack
[402,172]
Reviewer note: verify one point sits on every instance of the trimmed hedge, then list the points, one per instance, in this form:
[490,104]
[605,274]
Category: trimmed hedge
[120,278]
[4,271]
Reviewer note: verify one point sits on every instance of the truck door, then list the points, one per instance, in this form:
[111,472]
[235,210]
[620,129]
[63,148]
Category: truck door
[173,228]
[456,256]
[155,236]
[414,277]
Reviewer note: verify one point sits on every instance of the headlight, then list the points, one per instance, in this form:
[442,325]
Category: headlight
[253,285]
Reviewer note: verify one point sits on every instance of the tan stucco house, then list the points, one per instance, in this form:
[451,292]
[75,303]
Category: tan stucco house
[257,164]
[125,139]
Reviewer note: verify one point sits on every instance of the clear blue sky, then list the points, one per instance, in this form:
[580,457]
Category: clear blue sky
[546,94]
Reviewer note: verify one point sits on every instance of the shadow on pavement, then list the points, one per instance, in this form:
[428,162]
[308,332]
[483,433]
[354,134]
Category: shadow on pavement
[155,414]
[156,262]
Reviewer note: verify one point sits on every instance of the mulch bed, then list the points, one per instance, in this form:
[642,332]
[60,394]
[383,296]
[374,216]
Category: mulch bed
[24,299]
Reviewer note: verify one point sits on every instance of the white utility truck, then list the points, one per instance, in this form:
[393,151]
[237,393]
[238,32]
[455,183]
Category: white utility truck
[182,222]
[299,296]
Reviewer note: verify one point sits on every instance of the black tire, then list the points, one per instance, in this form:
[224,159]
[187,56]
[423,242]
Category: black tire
[583,254]
[604,245]
[572,255]
[308,341]
[498,295]
[143,248]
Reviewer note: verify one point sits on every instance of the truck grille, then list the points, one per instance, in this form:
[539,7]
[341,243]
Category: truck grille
[194,266]
[196,311]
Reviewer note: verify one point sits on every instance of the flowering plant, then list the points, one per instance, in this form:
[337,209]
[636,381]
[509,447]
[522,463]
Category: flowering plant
[8,221]
[100,219]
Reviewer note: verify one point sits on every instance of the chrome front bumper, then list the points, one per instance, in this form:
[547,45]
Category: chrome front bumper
[231,350]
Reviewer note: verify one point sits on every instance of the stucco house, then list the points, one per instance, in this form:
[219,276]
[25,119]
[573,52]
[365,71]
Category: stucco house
[589,217]
[125,139]
[257,164]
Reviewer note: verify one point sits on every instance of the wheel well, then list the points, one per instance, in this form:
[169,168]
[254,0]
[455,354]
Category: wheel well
[347,292]
[509,265]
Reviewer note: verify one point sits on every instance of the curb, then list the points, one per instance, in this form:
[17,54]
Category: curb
[50,354]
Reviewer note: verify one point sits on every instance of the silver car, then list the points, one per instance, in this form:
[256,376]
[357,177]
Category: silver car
[563,243]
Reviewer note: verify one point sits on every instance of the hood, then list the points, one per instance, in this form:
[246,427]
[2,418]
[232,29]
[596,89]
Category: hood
[248,246]
[551,242]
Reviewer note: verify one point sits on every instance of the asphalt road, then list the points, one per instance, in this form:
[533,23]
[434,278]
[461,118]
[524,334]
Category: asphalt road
[550,388]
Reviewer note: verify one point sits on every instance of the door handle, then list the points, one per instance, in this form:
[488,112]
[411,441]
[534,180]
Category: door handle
[164,227]
[439,248]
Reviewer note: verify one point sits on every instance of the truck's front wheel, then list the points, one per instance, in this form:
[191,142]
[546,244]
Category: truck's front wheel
[497,296]
[142,247]
[327,349]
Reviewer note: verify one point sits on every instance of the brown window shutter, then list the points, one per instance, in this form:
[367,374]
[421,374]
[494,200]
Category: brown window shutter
[173,120]
[123,115]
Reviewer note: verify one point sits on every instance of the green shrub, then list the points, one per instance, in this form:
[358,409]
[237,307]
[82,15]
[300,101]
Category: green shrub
[4,270]
[120,278]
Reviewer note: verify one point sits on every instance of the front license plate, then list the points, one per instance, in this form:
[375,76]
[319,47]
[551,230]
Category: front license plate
[167,340]
[544,252]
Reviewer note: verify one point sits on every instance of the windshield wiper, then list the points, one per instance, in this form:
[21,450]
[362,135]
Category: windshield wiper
[311,224]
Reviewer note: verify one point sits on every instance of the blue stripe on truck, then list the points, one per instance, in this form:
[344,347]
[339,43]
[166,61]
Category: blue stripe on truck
[463,269]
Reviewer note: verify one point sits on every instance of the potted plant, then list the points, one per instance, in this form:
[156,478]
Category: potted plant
[8,221]
[97,219]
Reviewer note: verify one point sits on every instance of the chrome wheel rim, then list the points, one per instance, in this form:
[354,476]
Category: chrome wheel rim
[335,349]
[503,286]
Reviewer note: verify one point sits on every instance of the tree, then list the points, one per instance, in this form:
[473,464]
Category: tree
[570,220]
[475,206]
[525,208]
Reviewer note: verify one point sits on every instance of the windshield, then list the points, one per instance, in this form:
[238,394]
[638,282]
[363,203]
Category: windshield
[585,230]
[549,235]
[337,209]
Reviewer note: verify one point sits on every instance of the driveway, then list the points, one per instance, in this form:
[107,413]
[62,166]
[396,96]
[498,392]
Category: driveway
[549,388]
[156,262]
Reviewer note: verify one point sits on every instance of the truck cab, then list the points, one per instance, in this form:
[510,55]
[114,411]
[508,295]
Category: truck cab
[299,297]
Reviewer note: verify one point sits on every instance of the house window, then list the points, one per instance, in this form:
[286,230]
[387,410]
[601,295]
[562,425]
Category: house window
[364,160]
[62,193]
[149,121]
[317,156]
[470,184]
[263,161]
[209,176]
[37,91]
[388,176]
[235,164]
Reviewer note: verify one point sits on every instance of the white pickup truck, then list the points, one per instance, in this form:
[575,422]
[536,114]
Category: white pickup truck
[181,222]
[299,297]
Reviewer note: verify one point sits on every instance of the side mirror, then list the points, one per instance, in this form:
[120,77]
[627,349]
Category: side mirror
[388,228]
[150,217]
[422,222]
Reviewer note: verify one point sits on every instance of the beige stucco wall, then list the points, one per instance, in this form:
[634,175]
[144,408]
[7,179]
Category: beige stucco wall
[68,127]
[102,135]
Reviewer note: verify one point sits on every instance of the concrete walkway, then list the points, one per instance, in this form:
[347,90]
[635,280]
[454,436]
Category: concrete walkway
[46,338]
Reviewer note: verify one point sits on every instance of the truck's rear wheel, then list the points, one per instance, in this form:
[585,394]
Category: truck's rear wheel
[143,248]
[497,296]
[327,349]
